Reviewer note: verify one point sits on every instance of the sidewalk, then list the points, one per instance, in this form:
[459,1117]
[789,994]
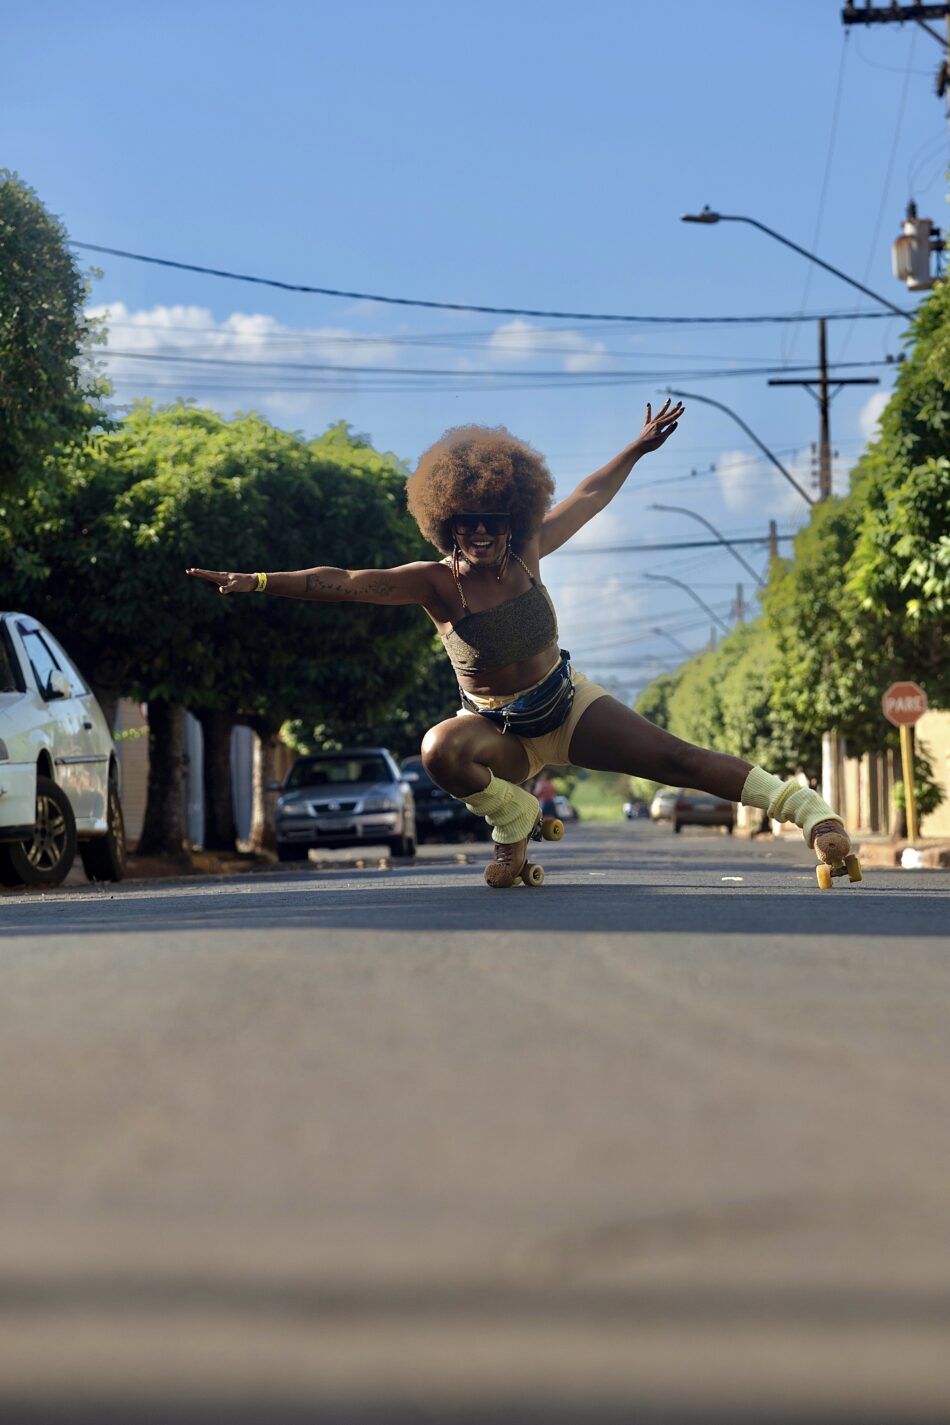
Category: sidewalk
[926,853]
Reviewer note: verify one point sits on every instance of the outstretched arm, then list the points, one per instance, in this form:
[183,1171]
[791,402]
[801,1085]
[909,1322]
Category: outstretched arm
[595,493]
[408,584]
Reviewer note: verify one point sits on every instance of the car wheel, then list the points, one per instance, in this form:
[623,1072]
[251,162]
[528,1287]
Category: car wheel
[402,846]
[292,851]
[677,827]
[104,858]
[730,829]
[46,859]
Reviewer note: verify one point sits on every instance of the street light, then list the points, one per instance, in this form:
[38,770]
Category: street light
[679,510]
[668,579]
[691,396]
[676,642]
[708,216]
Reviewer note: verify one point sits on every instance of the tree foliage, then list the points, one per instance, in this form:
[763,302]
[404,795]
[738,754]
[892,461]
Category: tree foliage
[46,399]
[171,488]
[864,602]
[726,698]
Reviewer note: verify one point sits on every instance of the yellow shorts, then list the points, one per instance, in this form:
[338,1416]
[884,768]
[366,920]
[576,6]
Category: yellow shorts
[553,749]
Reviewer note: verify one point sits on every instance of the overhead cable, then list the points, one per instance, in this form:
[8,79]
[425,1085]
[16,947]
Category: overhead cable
[452,306]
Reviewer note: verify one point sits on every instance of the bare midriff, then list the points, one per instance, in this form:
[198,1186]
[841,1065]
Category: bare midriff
[514,678]
[507,680]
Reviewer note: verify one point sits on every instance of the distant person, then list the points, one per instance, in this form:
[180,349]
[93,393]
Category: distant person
[484,497]
[545,791]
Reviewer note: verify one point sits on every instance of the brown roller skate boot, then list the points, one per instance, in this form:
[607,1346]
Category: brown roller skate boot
[830,841]
[832,846]
[507,863]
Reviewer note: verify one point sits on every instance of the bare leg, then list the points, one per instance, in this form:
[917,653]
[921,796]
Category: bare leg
[613,738]
[471,759]
[461,753]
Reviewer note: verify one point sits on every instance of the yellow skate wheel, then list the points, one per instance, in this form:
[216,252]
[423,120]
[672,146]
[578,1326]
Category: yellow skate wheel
[552,829]
[531,874]
[854,868]
[823,873]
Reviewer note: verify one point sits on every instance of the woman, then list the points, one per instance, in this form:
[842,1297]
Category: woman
[483,498]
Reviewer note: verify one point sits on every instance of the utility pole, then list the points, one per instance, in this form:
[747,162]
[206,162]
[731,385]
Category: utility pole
[773,542]
[740,605]
[894,14]
[824,396]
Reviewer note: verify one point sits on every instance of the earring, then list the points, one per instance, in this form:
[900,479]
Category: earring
[504,561]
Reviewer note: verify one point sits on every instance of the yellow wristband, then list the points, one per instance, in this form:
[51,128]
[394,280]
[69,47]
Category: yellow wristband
[261,582]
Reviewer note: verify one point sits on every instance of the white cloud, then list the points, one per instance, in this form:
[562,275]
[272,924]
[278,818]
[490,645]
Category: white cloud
[755,486]
[871,413]
[520,341]
[242,336]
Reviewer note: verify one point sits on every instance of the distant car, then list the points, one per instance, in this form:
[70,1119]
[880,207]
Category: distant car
[702,809]
[661,807]
[59,772]
[633,810]
[565,809]
[439,816]
[354,797]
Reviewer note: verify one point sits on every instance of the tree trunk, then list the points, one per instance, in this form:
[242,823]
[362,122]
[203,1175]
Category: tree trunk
[220,832]
[263,832]
[163,830]
[105,679]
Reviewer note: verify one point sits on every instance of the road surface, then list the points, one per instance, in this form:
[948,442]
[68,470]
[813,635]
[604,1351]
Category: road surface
[665,1140]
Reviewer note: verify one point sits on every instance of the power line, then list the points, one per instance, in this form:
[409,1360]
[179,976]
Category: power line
[441,306]
[565,377]
[644,548]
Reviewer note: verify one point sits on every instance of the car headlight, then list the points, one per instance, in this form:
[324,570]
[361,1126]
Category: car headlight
[381,804]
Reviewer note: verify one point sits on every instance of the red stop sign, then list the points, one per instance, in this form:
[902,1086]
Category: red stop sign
[904,703]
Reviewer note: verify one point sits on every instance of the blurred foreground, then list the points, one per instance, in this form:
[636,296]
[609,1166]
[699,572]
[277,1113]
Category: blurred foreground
[665,1140]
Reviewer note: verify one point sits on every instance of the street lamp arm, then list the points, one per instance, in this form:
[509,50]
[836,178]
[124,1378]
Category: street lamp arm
[680,510]
[691,396]
[668,579]
[754,222]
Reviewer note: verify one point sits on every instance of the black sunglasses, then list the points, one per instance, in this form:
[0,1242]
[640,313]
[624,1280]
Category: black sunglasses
[493,522]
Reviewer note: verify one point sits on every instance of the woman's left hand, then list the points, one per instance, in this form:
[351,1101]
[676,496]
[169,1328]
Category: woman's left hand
[658,428]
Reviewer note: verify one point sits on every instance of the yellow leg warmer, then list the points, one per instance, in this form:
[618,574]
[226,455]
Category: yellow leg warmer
[787,801]
[509,810]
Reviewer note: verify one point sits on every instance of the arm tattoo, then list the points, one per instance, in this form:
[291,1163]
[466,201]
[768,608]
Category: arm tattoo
[379,588]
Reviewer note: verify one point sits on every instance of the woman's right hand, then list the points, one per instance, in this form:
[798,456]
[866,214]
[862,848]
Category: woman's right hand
[227,583]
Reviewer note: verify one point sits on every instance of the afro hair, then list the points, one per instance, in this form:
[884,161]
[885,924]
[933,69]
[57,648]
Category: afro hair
[479,468]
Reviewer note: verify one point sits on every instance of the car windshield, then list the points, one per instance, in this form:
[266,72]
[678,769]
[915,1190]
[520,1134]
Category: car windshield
[8,682]
[337,771]
[414,771]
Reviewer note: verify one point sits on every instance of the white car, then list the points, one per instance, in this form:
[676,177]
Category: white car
[661,807]
[59,773]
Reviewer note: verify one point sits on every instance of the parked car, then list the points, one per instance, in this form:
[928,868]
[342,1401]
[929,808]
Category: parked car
[661,807]
[565,809]
[59,772]
[439,816]
[702,809]
[632,810]
[354,797]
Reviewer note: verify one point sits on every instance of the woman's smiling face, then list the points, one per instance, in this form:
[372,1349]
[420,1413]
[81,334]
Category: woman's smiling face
[482,536]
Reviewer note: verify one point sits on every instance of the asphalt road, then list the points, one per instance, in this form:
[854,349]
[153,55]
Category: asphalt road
[665,1140]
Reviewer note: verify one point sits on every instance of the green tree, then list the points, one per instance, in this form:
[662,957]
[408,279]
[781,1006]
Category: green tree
[864,602]
[432,697]
[181,486]
[654,701]
[47,393]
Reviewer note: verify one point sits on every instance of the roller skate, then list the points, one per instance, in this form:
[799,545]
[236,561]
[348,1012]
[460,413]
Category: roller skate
[832,846]
[510,866]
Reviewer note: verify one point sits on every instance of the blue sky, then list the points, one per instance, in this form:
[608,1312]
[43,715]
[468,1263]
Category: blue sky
[528,154]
